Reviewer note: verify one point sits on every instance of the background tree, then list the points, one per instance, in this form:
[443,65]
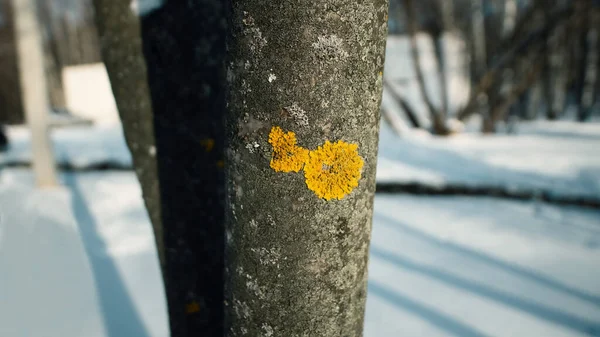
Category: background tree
[166,71]
[521,56]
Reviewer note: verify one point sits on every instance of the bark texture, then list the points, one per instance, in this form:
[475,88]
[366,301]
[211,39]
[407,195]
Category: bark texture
[167,73]
[297,264]
[121,45]
[184,47]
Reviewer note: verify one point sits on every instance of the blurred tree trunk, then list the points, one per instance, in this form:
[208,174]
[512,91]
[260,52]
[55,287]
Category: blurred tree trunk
[588,72]
[51,57]
[478,35]
[437,119]
[11,106]
[477,60]
[441,27]
[297,262]
[168,81]
[553,73]
[33,83]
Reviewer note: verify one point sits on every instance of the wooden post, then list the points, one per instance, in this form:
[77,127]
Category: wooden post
[34,89]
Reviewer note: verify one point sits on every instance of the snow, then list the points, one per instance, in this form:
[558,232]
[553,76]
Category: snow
[78,260]
[560,157]
[78,146]
[145,7]
[482,267]
[88,92]
[439,266]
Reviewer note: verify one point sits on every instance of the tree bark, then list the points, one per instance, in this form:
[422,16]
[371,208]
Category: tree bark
[12,111]
[184,48]
[297,263]
[167,76]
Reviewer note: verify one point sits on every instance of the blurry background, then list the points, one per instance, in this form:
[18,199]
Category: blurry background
[487,217]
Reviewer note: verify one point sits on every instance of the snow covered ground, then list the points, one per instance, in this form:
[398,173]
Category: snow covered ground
[482,267]
[561,157]
[80,261]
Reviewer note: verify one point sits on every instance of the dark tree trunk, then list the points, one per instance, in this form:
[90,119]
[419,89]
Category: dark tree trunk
[11,107]
[168,81]
[184,46]
[297,262]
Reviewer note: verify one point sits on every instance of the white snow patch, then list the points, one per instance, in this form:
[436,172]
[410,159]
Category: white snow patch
[144,7]
[88,93]
[556,156]
[513,268]
[462,266]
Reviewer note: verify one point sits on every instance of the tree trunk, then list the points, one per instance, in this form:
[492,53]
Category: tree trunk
[184,47]
[12,110]
[51,57]
[168,81]
[437,120]
[589,73]
[302,74]
[33,86]
[478,62]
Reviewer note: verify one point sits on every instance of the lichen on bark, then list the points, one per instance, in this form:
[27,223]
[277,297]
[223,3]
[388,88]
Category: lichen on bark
[296,263]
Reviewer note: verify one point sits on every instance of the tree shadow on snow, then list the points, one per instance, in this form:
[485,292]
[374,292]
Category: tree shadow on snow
[440,320]
[535,309]
[490,260]
[120,315]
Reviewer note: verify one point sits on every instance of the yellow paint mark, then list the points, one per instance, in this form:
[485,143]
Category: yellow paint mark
[192,307]
[333,169]
[287,156]
[220,164]
[208,144]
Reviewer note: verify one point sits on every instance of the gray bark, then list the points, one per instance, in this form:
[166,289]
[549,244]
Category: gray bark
[122,53]
[167,73]
[297,264]
[12,111]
